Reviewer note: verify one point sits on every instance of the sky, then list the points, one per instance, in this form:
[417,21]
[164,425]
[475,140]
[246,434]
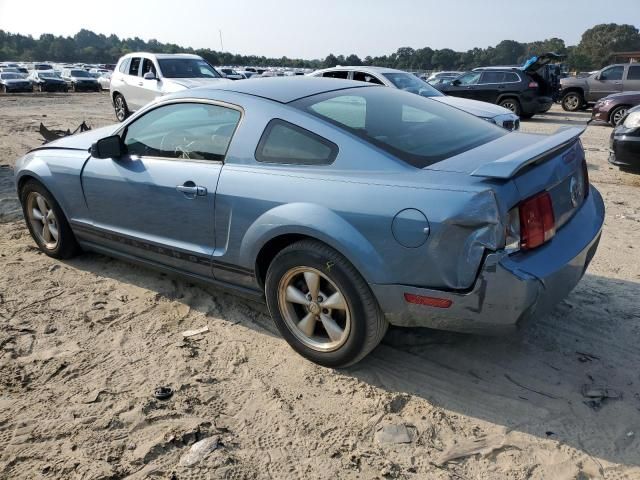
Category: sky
[313,29]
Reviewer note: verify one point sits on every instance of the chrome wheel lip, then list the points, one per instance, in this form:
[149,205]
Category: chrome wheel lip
[293,319]
[43,220]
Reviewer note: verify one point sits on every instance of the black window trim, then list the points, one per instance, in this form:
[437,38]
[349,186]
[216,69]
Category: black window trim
[123,130]
[278,121]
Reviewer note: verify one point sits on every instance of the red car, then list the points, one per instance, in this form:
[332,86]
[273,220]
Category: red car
[613,108]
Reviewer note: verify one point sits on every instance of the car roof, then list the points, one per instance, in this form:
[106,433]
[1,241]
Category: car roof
[283,89]
[163,55]
[362,68]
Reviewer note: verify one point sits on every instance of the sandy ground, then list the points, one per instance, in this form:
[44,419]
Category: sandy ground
[84,343]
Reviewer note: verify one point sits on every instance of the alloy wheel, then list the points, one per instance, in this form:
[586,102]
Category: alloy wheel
[572,102]
[120,108]
[314,309]
[618,115]
[43,220]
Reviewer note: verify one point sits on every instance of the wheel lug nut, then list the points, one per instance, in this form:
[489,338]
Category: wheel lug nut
[320,299]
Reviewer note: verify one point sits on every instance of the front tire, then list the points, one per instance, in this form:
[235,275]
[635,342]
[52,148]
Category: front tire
[511,104]
[322,306]
[46,222]
[120,106]
[617,114]
[572,101]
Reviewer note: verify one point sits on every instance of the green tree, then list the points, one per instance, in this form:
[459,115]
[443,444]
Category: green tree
[599,42]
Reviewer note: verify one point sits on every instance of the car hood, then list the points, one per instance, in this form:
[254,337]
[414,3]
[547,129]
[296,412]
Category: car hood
[625,96]
[194,82]
[474,107]
[84,79]
[81,141]
[52,80]
[15,80]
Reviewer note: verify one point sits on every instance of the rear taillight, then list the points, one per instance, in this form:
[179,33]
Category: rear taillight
[533,84]
[537,221]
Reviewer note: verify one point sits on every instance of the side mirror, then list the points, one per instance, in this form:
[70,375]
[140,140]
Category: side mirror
[456,82]
[108,147]
[149,76]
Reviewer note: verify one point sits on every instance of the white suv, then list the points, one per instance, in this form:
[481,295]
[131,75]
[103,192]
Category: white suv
[141,77]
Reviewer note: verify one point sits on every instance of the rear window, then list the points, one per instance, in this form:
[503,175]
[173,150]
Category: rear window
[415,129]
[336,74]
[492,77]
[511,77]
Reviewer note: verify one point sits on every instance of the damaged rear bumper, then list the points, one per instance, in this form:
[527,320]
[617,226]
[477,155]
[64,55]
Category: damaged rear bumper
[509,288]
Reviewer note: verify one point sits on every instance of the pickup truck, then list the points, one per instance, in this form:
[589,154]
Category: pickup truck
[579,93]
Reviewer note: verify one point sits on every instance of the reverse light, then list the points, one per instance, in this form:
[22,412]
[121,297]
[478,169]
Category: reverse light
[428,301]
[537,221]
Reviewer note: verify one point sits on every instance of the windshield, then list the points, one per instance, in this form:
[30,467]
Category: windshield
[80,74]
[413,84]
[187,68]
[415,129]
[10,76]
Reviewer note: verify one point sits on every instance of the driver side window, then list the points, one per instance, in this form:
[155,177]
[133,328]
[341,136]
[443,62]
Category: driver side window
[612,73]
[188,131]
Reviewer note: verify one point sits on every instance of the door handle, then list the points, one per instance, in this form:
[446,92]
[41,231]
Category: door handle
[192,190]
[140,84]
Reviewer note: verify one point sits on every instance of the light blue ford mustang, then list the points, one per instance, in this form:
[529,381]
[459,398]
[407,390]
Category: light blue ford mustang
[345,206]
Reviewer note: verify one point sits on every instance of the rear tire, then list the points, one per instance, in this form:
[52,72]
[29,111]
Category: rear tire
[121,108]
[572,101]
[46,222]
[511,104]
[336,323]
[617,114]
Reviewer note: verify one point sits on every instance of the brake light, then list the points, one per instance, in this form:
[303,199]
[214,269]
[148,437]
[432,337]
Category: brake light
[537,221]
[533,84]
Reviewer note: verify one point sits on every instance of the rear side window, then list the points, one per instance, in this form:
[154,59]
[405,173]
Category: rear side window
[492,77]
[124,66]
[634,72]
[511,77]
[283,142]
[336,74]
[134,66]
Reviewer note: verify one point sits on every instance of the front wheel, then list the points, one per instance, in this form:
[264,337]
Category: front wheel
[617,115]
[572,102]
[322,306]
[511,104]
[46,221]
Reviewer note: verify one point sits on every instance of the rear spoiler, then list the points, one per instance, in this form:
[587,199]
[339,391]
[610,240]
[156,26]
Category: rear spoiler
[509,165]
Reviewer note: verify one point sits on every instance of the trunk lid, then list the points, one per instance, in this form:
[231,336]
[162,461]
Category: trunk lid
[538,61]
[534,163]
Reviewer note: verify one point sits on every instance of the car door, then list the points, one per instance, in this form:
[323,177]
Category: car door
[132,83]
[148,89]
[464,85]
[608,81]
[490,86]
[156,202]
[631,83]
